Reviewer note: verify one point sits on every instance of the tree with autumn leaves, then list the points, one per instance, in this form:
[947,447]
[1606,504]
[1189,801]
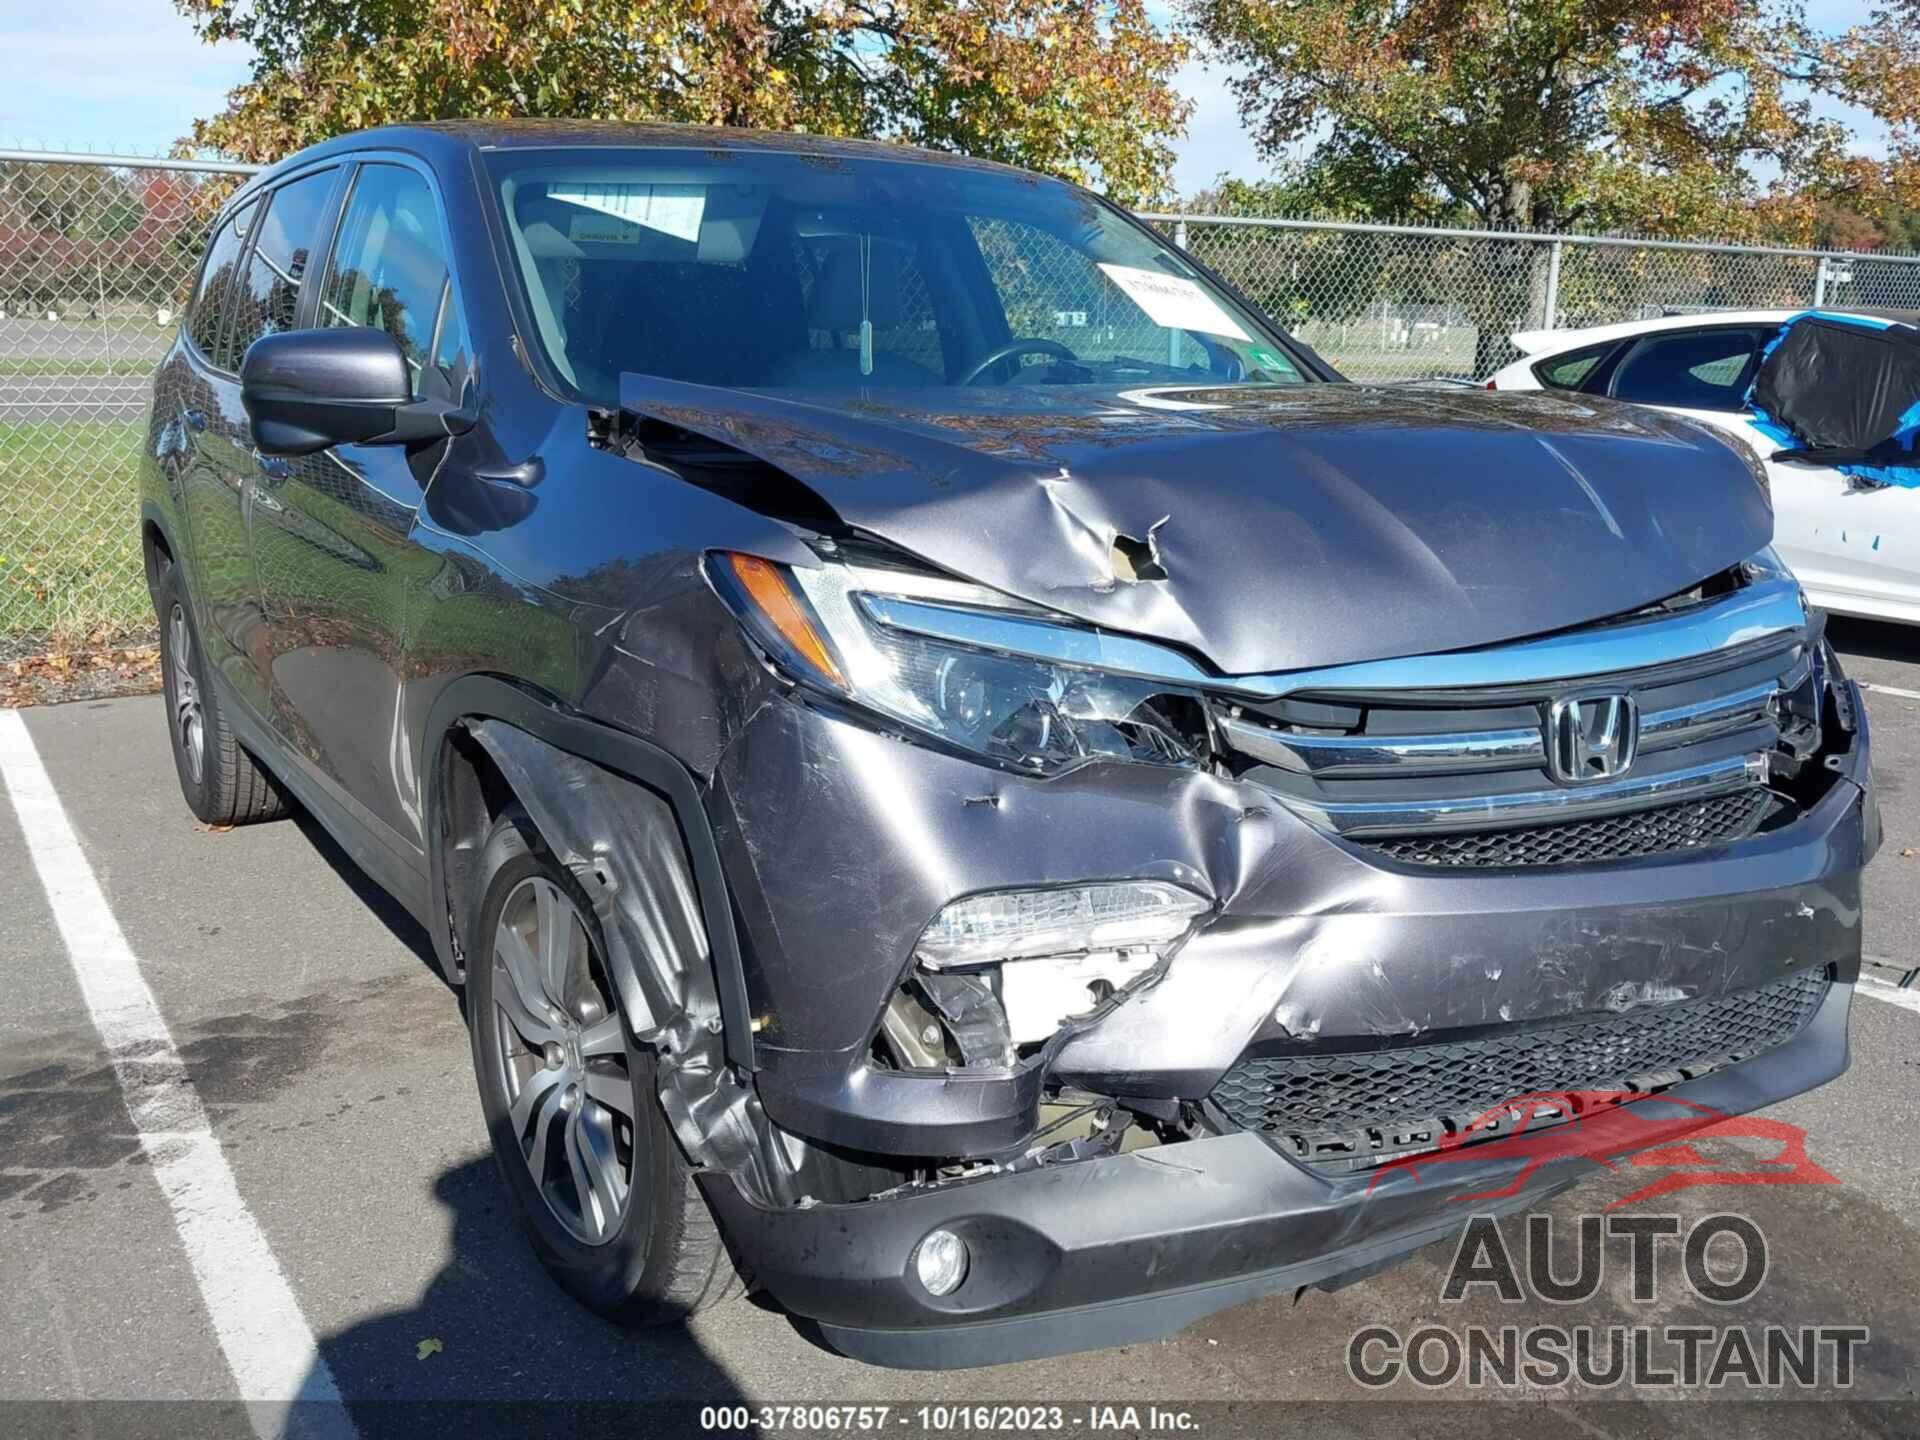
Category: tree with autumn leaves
[1081,88]
[1679,117]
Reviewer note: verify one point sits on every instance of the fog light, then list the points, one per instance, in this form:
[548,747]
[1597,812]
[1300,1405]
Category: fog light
[1011,924]
[941,1262]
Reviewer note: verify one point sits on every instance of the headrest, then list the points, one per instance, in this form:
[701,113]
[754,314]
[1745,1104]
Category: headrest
[835,301]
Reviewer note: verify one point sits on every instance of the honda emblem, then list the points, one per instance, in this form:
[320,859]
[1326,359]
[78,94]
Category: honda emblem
[1591,737]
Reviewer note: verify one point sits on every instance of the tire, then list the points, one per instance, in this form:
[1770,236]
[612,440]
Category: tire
[222,783]
[655,1257]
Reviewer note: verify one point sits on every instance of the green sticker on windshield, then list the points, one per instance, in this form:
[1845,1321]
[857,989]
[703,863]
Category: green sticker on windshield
[1268,359]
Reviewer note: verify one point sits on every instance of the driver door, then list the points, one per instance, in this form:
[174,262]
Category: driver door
[333,532]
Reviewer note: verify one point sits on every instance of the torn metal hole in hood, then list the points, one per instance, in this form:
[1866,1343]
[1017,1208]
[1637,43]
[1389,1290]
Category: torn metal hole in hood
[1135,560]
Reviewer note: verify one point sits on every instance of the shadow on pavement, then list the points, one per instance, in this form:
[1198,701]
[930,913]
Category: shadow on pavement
[515,1355]
[387,910]
[1880,639]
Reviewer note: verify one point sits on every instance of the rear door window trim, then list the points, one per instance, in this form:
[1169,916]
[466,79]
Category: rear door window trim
[258,201]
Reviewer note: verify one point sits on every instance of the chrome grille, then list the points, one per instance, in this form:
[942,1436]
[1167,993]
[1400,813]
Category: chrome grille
[1400,767]
[1349,1104]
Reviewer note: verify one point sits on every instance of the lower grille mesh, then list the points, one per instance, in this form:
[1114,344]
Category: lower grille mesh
[1355,1104]
[1688,826]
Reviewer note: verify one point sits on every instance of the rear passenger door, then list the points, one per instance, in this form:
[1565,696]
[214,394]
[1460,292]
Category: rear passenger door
[332,531]
[210,473]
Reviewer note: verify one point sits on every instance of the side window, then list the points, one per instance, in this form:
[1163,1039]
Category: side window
[1690,369]
[270,295]
[389,271]
[1570,371]
[216,281]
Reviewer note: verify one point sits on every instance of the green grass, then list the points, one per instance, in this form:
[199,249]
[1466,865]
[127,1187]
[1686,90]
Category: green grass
[69,537]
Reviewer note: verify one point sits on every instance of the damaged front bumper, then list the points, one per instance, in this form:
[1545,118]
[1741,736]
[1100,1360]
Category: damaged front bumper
[1135,1246]
[1312,940]
[1313,945]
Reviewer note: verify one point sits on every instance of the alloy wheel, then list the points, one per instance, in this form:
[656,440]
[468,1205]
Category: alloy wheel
[563,1060]
[183,695]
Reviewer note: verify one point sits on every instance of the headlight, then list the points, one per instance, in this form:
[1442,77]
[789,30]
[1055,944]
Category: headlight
[1000,680]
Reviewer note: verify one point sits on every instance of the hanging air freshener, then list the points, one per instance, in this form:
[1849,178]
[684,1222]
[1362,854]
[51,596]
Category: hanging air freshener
[866,325]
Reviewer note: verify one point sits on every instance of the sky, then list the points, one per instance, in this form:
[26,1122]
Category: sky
[129,76]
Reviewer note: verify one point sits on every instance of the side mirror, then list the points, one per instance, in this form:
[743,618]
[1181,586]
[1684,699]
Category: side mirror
[305,390]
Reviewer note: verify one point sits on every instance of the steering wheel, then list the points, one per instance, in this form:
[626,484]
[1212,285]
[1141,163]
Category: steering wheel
[1017,347]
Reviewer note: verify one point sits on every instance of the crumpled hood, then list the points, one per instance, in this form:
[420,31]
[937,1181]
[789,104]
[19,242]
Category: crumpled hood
[1297,526]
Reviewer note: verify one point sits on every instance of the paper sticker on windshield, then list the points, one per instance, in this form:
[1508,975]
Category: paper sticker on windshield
[1174,301]
[671,209]
[1271,360]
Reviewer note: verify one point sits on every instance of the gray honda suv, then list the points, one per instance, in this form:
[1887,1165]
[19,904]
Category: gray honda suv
[966,780]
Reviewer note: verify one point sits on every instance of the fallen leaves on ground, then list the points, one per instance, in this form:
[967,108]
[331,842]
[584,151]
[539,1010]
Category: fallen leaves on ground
[80,675]
[429,1346]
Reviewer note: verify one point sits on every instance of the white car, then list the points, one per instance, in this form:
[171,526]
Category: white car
[1853,543]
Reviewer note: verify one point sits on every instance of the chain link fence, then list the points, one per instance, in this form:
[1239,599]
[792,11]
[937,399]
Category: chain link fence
[97,256]
[1388,302]
[98,253]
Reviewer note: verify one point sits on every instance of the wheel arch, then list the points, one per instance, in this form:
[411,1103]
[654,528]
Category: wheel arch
[491,742]
[156,540]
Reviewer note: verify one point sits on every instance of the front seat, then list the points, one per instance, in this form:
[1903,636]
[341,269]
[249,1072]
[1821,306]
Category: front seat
[834,307]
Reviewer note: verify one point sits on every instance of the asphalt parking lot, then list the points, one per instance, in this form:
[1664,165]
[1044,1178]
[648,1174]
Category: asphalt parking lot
[332,1067]
[72,370]
[26,399]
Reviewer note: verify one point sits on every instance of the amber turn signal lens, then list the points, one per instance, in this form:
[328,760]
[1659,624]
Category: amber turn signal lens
[773,596]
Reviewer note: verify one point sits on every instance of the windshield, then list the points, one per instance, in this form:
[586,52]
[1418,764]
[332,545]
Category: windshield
[779,271]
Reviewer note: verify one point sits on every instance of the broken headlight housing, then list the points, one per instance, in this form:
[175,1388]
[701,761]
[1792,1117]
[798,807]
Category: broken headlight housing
[963,664]
[999,973]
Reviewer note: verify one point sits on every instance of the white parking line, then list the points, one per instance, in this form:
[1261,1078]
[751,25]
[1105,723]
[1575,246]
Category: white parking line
[1876,989]
[1890,690]
[268,1346]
